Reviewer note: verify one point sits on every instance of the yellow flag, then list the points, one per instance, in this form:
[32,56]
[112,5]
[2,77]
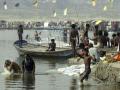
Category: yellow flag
[98,22]
[93,3]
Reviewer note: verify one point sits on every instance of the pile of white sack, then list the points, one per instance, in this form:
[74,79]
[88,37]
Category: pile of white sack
[73,70]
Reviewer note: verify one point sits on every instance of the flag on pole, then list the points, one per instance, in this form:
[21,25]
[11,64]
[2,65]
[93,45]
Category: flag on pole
[98,22]
[105,8]
[35,3]
[5,5]
[65,11]
[93,3]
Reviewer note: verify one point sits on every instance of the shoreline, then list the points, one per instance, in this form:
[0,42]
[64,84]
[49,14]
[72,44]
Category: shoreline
[40,28]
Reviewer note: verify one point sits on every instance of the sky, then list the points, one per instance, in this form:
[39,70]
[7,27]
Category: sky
[77,9]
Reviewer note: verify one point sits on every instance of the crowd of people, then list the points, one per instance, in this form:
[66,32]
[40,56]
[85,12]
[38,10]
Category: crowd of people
[81,44]
[87,48]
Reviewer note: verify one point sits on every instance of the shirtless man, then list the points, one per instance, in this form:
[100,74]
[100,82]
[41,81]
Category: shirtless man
[12,66]
[74,37]
[87,62]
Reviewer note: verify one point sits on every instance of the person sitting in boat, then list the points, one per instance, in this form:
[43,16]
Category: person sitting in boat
[52,45]
[12,67]
[28,65]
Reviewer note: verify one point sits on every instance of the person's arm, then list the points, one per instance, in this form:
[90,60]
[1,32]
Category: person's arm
[93,58]
[10,67]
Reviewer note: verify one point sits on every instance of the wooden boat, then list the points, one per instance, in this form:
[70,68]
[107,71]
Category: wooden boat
[40,50]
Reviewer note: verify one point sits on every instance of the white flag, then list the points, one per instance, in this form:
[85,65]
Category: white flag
[5,7]
[65,12]
[53,1]
[105,8]
[46,24]
[55,14]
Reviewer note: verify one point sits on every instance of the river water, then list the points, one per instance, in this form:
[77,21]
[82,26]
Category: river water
[45,78]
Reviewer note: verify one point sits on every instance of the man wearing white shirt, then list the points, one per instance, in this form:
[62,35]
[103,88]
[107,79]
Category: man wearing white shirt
[93,52]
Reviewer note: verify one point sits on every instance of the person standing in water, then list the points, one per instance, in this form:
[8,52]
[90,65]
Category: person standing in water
[28,65]
[74,37]
[20,33]
[87,63]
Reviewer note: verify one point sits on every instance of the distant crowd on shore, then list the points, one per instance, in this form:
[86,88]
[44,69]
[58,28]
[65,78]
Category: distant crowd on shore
[112,25]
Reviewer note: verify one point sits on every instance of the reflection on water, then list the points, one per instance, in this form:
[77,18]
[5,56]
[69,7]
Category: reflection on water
[29,81]
[73,84]
[13,81]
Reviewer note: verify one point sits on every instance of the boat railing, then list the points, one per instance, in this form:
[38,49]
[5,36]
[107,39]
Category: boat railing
[61,41]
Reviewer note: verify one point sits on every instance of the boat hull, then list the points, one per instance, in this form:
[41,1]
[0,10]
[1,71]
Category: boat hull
[41,51]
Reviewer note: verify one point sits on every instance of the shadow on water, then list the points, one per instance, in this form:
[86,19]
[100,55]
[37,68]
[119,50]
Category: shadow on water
[73,84]
[28,81]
